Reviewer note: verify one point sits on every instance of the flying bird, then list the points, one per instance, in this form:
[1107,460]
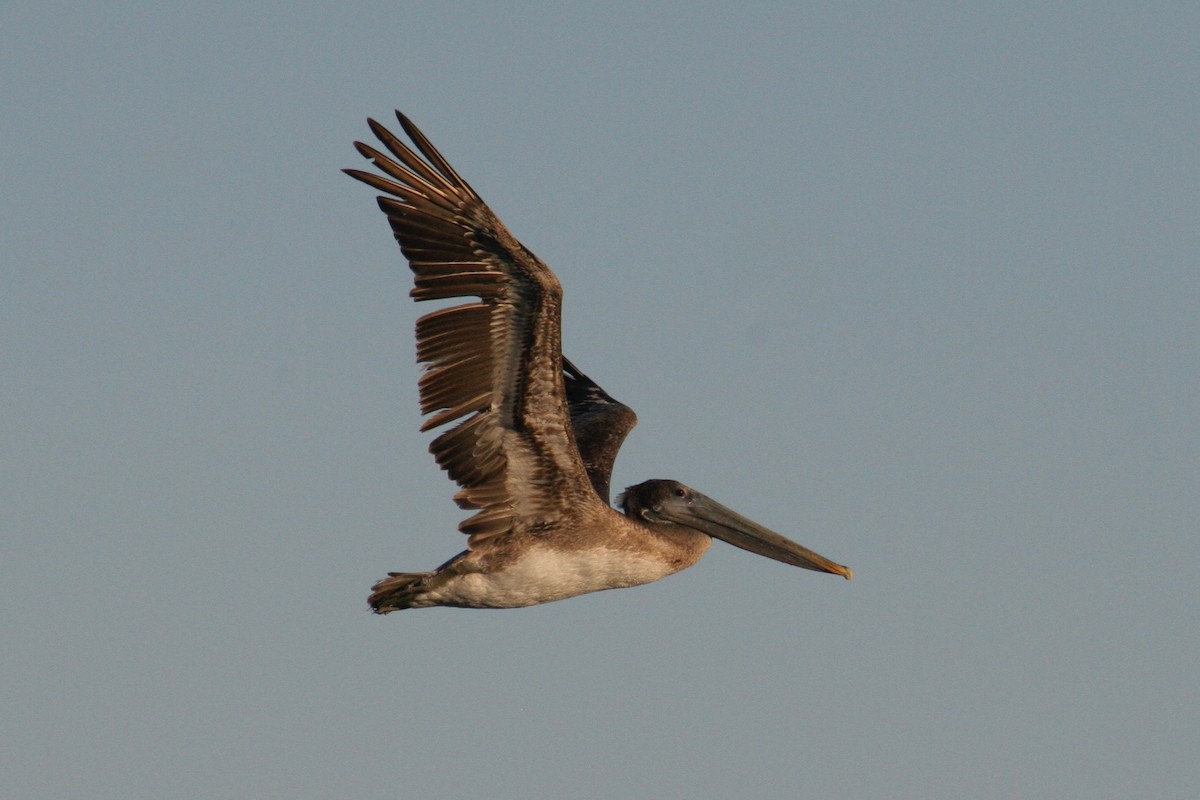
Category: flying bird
[534,438]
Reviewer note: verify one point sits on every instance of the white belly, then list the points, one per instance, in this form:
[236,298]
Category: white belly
[544,574]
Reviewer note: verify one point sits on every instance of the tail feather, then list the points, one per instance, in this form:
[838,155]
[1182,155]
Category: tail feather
[399,590]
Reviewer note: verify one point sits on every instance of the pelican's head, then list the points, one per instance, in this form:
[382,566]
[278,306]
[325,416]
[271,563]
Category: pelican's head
[663,501]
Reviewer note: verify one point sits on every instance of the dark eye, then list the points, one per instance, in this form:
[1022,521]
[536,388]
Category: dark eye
[680,491]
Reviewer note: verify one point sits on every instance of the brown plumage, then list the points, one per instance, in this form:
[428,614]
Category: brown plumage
[535,439]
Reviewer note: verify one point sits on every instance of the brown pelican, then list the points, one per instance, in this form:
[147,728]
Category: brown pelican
[535,446]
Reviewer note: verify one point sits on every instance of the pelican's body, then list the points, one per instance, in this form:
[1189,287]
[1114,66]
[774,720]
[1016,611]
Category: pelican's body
[535,451]
[527,569]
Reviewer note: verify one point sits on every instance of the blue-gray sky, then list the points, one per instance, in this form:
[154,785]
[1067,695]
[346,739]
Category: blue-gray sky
[915,284]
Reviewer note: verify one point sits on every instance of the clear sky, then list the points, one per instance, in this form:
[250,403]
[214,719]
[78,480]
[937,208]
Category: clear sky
[913,284]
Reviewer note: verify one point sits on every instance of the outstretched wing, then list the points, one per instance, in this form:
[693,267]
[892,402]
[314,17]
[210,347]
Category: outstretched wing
[496,361]
[600,424]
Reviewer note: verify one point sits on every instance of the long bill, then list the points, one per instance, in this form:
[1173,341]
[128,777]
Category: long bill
[707,515]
